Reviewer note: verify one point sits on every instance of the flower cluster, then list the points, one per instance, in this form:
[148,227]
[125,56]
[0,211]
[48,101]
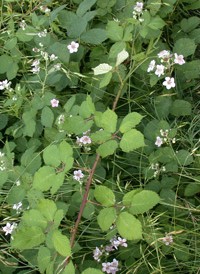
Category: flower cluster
[2,162]
[73,47]
[78,175]
[167,61]
[9,228]
[22,25]
[157,169]
[5,85]
[164,138]
[167,240]
[18,207]
[45,9]
[109,267]
[47,57]
[42,33]
[138,11]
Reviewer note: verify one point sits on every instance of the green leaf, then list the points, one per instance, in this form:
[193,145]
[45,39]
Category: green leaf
[51,156]
[114,31]
[156,23]
[92,271]
[47,208]
[59,215]
[43,258]
[143,201]
[181,108]
[87,108]
[105,80]
[94,36]
[180,48]
[69,104]
[84,6]
[100,136]
[58,182]
[34,217]
[192,189]
[28,237]
[128,226]
[190,24]
[132,140]
[76,125]
[12,71]
[102,69]
[28,118]
[127,199]
[69,269]
[47,117]
[65,151]
[104,196]
[61,243]
[44,178]
[184,157]
[11,43]
[109,120]
[106,218]
[107,148]
[130,121]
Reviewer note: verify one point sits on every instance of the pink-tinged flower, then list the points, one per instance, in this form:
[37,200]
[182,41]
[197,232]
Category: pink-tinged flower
[169,82]
[73,47]
[164,54]
[167,240]
[54,103]
[110,267]
[97,254]
[8,229]
[151,66]
[159,141]
[159,70]
[85,140]
[78,175]
[138,7]
[179,59]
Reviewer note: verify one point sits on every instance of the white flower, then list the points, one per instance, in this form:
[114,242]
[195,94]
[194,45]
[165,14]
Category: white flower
[97,254]
[159,141]
[45,9]
[167,240]
[151,66]
[118,242]
[5,85]
[169,83]
[110,267]
[22,25]
[42,33]
[164,54]
[54,103]
[102,69]
[18,183]
[35,63]
[138,7]
[53,57]
[73,47]
[57,66]
[179,59]
[8,229]
[78,175]
[85,140]
[159,70]
[2,154]
[17,206]
[35,70]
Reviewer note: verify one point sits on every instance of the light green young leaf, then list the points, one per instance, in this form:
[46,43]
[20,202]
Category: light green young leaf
[106,218]
[61,243]
[121,57]
[47,117]
[128,226]
[87,108]
[109,121]
[69,269]
[44,178]
[65,151]
[28,237]
[107,148]
[76,125]
[130,121]
[143,201]
[100,136]
[102,69]
[132,140]
[51,156]
[104,195]
[105,80]
[47,208]
[127,199]
[43,258]
[34,217]
[59,179]
[114,31]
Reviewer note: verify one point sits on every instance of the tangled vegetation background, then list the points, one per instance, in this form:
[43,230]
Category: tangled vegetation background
[100,136]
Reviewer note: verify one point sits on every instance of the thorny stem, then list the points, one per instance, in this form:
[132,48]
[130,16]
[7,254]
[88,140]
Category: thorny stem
[89,182]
